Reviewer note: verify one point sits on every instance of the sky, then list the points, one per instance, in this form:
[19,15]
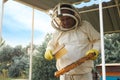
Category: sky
[17,23]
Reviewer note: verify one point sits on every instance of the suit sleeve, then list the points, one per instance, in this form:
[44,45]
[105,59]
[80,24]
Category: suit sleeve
[93,35]
[51,44]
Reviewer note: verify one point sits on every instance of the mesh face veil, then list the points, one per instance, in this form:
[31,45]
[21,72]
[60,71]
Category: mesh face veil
[65,17]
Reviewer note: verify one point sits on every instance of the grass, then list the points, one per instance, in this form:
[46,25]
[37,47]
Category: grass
[6,78]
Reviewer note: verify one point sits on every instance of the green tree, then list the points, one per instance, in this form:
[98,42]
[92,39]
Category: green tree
[6,54]
[19,62]
[112,48]
[14,60]
[19,65]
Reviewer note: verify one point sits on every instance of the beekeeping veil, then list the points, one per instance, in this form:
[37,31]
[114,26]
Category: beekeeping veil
[57,14]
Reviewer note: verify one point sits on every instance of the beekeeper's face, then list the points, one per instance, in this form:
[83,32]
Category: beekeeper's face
[67,21]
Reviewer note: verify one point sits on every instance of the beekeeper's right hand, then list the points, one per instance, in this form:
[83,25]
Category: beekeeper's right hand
[48,55]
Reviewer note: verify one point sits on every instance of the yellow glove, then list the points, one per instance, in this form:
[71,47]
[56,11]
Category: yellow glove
[48,55]
[93,51]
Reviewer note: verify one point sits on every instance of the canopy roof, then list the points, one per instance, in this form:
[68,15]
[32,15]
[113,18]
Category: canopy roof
[45,5]
[111,16]
[111,12]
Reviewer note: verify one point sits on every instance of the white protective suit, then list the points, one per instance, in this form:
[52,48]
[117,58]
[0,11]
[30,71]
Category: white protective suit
[77,42]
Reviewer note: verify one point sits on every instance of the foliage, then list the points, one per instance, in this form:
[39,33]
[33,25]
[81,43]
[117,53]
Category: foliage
[14,60]
[19,66]
[112,48]
[6,54]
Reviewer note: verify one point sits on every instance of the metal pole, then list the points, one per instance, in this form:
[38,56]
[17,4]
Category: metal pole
[102,40]
[31,47]
[1,17]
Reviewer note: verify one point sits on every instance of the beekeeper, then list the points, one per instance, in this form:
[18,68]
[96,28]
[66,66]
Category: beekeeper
[72,40]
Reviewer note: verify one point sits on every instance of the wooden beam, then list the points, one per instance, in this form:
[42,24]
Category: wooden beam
[96,9]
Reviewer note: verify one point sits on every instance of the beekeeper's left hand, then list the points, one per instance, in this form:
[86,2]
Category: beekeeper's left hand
[96,52]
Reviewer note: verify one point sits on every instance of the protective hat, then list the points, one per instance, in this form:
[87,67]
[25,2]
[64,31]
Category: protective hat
[58,14]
